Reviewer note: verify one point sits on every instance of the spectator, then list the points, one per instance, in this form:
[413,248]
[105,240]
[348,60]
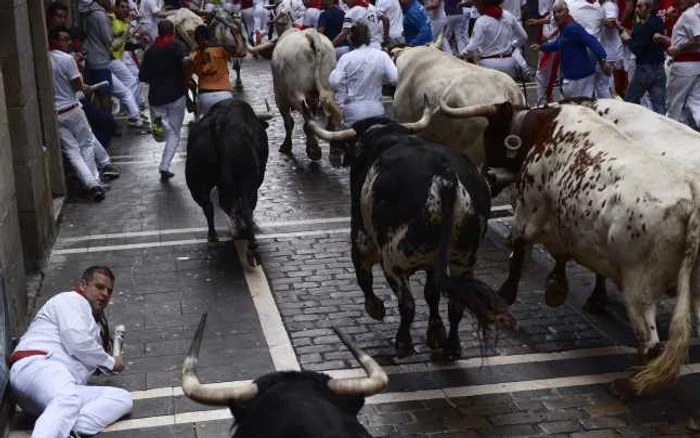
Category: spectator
[496,35]
[151,12]
[591,16]
[360,12]
[311,15]
[416,24]
[547,63]
[166,68]
[573,43]
[98,40]
[392,19]
[61,349]
[330,22]
[610,39]
[456,28]
[649,73]
[77,140]
[436,13]
[56,15]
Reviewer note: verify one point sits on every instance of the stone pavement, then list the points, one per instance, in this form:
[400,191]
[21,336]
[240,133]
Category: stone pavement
[549,376]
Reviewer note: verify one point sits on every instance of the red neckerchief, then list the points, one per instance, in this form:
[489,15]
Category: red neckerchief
[82,294]
[492,11]
[164,40]
[567,20]
[363,3]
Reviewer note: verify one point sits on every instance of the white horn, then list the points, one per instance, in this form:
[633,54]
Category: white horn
[482,110]
[424,121]
[375,381]
[323,134]
[211,396]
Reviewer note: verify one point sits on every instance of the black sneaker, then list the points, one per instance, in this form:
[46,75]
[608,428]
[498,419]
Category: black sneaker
[97,194]
[110,172]
[166,175]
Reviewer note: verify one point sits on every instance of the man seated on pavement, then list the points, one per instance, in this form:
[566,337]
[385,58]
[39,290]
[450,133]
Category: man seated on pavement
[77,140]
[61,349]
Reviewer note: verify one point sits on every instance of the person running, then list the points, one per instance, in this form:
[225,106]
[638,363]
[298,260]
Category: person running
[210,64]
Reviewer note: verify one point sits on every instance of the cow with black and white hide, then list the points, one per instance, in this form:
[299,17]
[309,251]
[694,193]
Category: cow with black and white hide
[588,192]
[292,403]
[418,206]
[228,149]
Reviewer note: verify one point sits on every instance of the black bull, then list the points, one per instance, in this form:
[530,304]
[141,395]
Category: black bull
[417,205]
[228,150]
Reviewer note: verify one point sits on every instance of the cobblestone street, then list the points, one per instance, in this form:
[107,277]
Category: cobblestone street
[549,376]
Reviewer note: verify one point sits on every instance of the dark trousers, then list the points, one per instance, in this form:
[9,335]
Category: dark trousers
[649,78]
[102,124]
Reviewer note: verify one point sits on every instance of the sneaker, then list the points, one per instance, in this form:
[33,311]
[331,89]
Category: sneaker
[134,123]
[97,194]
[109,172]
[166,175]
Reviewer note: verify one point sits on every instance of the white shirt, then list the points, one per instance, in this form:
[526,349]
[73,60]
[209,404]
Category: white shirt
[610,36]
[296,8]
[496,37]
[514,7]
[391,9]
[588,15]
[686,28]
[65,328]
[63,70]
[437,14]
[368,16]
[311,16]
[360,74]
[147,11]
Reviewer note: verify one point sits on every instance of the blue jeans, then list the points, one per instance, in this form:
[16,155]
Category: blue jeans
[649,78]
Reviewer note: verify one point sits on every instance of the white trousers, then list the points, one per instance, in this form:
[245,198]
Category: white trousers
[683,95]
[507,65]
[358,110]
[601,84]
[172,114]
[44,387]
[584,87]
[456,37]
[437,26]
[207,100]
[78,144]
[129,62]
[125,79]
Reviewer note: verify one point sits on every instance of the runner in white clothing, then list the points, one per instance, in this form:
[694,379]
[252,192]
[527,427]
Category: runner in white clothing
[590,15]
[390,11]
[364,13]
[61,349]
[151,11]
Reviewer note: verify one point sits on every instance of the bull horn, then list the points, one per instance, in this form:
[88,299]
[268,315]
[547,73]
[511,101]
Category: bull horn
[424,121]
[211,396]
[323,134]
[438,41]
[375,381]
[258,49]
[482,110]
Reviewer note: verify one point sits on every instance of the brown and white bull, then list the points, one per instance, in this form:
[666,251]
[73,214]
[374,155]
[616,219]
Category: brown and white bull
[302,61]
[439,75]
[584,191]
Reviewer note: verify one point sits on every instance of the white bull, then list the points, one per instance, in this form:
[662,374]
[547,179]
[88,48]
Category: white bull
[301,64]
[427,71]
[589,192]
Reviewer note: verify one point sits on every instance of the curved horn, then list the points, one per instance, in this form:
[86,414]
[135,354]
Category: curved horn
[323,134]
[482,110]
[375,381]
[438,41]
[424,121]
[211,396]
[258,49]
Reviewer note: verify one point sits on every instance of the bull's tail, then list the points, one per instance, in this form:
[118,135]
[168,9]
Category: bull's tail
[325,94]
[448,198]
[663,370]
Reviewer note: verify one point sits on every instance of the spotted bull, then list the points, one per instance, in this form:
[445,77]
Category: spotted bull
[228,150]
[584,191]
[417,205]
[290,404]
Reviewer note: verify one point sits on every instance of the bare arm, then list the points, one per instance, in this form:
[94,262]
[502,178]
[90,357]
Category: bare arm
[340,37]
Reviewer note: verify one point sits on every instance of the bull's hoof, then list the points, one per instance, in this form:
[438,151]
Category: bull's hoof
[404,349]
[623,389]
[286,148]
[555,292]
[452,351]
[213,237]
[239,84]
[436,336]
[508,292]
[313,152]
[595,304]
[336,158]
[252,257]
[374,307]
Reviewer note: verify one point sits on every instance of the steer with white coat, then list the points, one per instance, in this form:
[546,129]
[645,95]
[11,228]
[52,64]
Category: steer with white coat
[584,191]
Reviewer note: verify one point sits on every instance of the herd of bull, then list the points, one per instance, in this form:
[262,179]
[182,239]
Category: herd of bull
[610,185]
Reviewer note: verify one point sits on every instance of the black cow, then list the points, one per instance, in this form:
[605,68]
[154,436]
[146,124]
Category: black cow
[418,205]
[291,404]
[228,150]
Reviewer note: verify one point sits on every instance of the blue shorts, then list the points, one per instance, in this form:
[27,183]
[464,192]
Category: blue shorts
[97,75]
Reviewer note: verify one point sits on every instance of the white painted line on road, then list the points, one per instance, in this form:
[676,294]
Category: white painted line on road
[278,342]
[171,231]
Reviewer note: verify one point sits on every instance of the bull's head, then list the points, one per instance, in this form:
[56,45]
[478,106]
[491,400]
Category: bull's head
[236,396]
[345,139]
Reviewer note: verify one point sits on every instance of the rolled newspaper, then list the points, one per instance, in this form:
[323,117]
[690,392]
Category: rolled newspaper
[99,85]
[118,340]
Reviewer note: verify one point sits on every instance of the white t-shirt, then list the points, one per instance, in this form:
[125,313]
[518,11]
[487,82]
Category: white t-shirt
[63,70]
[493,37]
[438,13]
[514,7]
[370,17]
[686,28]
[610,36]
[147,11]
[311,16]
[588,15]
[391,9]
